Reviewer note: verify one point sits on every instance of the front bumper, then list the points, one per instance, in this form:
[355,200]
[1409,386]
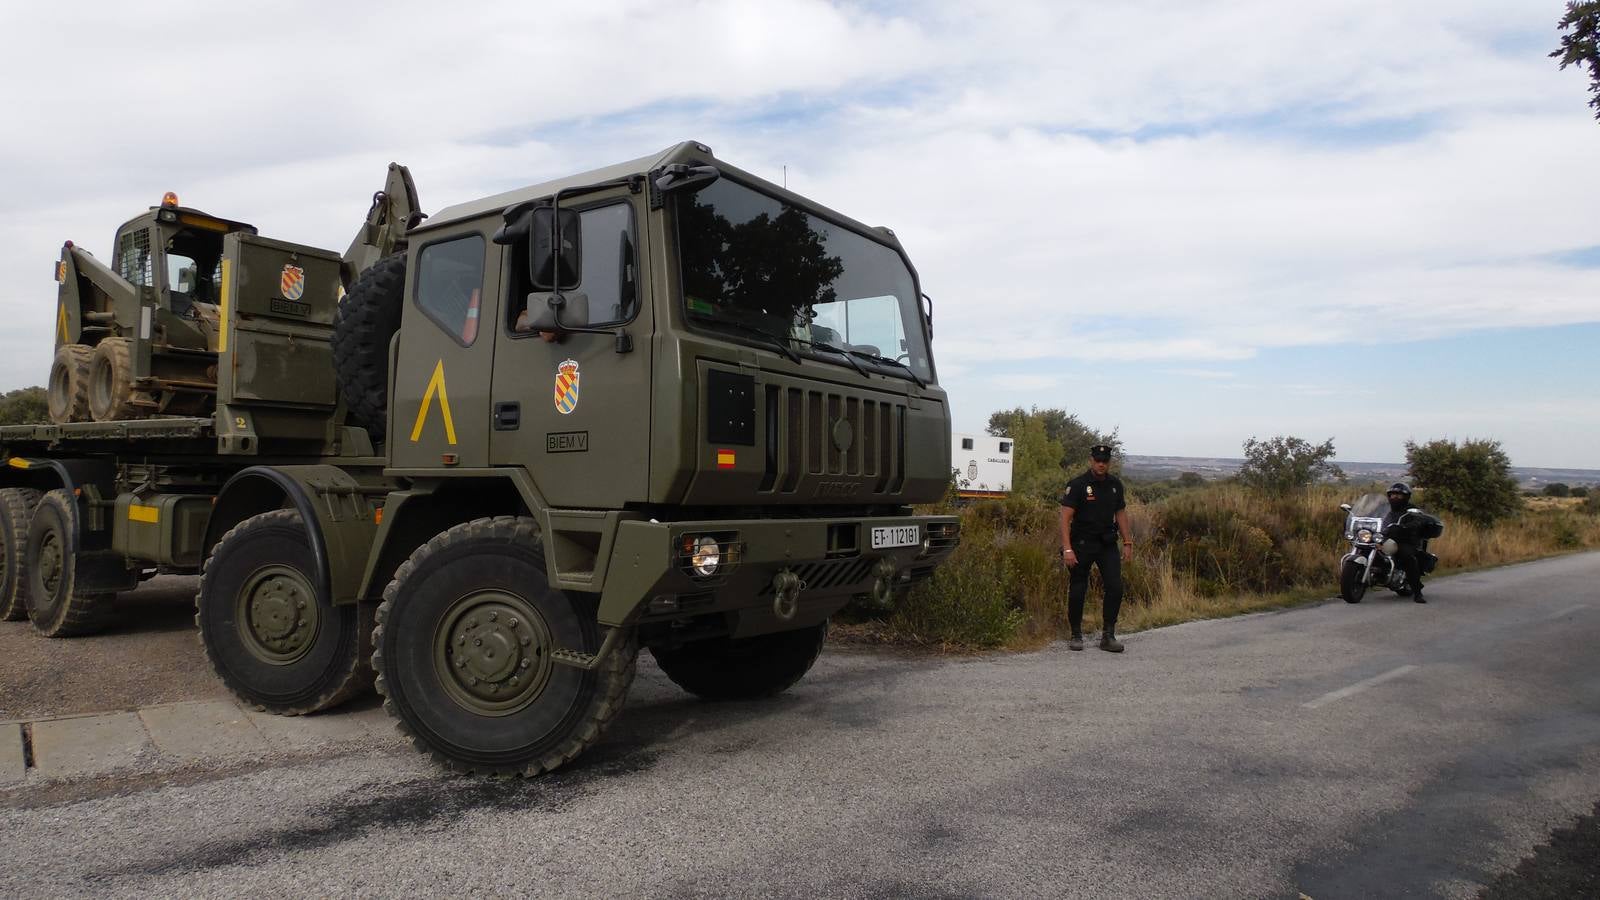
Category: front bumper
[649,575]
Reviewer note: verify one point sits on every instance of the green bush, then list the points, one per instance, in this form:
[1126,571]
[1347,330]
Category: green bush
[1591,503]
[1580,490]
[1284,464]
[24,406]
[1471,479]
[1557,489]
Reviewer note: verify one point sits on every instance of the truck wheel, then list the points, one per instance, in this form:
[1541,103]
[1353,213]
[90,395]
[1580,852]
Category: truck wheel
[1352,582]
[111,394]
[363,325]
[54,604]
[68,393]
[263,630]
[745,669]
[16,510]
[464,638]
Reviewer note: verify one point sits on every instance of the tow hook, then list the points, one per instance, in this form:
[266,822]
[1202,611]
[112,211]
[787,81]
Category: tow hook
[883,585]
[786,588]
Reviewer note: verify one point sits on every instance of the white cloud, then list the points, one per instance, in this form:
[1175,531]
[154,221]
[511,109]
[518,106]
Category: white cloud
[1179,184]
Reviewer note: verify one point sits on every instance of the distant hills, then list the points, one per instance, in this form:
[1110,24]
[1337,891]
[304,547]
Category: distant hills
[1157,468]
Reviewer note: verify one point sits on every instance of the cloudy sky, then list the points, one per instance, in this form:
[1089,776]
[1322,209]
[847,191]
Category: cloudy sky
[1192,221]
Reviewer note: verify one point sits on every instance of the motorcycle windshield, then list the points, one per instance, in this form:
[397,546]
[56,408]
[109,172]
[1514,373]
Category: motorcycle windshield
[1373,505]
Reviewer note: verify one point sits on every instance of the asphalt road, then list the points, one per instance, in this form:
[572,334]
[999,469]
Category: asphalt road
[1384,749]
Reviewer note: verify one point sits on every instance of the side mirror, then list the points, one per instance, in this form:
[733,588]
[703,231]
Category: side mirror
[544,308]
[535,222]
[554,266]
[680,177]
[1345,507]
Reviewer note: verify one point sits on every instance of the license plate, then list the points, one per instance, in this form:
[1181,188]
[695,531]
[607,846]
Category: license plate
[896,536]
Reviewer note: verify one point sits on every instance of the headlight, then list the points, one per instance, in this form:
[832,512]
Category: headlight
[706,557]
[1364,535]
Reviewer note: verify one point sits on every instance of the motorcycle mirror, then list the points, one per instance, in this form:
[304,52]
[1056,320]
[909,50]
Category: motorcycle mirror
[1345,507]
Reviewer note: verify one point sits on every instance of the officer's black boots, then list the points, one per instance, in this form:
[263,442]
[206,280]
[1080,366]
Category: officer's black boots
[1417,597]
[1108,640]
[1076,641]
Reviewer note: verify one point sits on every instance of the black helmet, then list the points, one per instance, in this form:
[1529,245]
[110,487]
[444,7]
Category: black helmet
[1400,487]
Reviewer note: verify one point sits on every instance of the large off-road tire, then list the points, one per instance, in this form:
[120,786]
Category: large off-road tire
[111,393]
[1352,581]
[68,393]
[745,669]
[16,511]
[55,606]
[264,632]
[363,325]
[464,660]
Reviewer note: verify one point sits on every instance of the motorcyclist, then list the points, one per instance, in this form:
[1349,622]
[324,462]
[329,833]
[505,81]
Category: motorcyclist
[1408,555]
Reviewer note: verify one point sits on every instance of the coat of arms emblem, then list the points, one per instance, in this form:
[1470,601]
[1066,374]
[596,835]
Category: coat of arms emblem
[293,283]
[567,386]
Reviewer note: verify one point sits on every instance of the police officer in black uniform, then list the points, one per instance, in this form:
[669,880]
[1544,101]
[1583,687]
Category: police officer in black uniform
[1409,553]
[1095,532]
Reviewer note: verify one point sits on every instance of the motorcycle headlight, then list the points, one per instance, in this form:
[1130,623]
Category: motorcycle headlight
[1364,535]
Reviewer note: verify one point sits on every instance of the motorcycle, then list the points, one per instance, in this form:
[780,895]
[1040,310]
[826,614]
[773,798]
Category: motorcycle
[1370,562]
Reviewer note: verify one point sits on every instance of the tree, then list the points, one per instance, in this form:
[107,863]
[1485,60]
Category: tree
[1074,437]
[24,406]
[1190,479]
[1581,45]
[1557,489]
[1284,464]
[1035,457]
[1471,480]
[1580,491]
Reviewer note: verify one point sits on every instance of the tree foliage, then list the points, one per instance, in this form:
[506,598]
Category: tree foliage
[1284,464]
[1471,479]
[1047,445]
[1066,430]
[1557,489]
[24,406]
[1580,45]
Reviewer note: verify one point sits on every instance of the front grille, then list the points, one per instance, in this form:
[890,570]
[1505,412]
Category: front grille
[800,425]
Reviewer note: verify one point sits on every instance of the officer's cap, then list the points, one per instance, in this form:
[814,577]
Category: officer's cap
[1100,452]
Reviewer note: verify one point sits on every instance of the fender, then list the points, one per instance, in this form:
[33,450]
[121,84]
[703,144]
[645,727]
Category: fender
[337,510]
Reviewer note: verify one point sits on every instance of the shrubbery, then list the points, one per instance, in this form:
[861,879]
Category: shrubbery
[1471,480]
[1201,552]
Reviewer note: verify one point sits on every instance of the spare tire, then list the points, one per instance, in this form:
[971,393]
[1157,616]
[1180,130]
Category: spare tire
[367,319]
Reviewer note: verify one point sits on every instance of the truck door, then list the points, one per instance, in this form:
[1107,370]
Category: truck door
[439,411]
[574,411]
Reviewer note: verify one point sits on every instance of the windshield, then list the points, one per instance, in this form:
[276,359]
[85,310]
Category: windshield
[1370,505]
[752,263]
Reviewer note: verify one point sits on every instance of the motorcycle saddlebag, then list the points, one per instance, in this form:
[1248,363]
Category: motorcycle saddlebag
[1428,562]
[1430,527]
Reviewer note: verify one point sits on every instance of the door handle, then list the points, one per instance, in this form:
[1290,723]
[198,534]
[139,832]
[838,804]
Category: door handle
[507,416]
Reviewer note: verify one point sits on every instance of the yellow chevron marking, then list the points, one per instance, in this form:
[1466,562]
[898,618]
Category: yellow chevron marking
[435,385]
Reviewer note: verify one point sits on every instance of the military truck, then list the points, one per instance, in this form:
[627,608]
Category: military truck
[490,454]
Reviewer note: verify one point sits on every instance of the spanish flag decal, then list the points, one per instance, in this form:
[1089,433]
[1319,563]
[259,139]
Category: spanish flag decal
[725,459]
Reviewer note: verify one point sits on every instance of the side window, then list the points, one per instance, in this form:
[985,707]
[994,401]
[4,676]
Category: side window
[1005,446]
[449,287]
[133,257]
[966,443]
[610,275]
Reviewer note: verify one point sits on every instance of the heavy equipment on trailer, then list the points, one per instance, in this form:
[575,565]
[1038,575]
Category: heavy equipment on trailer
[491,454]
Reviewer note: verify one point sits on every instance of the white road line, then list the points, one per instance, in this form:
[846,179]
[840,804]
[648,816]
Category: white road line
[1567,612]
[1358,687]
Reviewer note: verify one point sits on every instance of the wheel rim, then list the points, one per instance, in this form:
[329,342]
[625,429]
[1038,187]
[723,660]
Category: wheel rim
[58,394]
[50,562]
[278,615]
[492,652]
[100,386]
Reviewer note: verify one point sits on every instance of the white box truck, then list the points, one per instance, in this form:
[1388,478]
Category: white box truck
[983,465]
